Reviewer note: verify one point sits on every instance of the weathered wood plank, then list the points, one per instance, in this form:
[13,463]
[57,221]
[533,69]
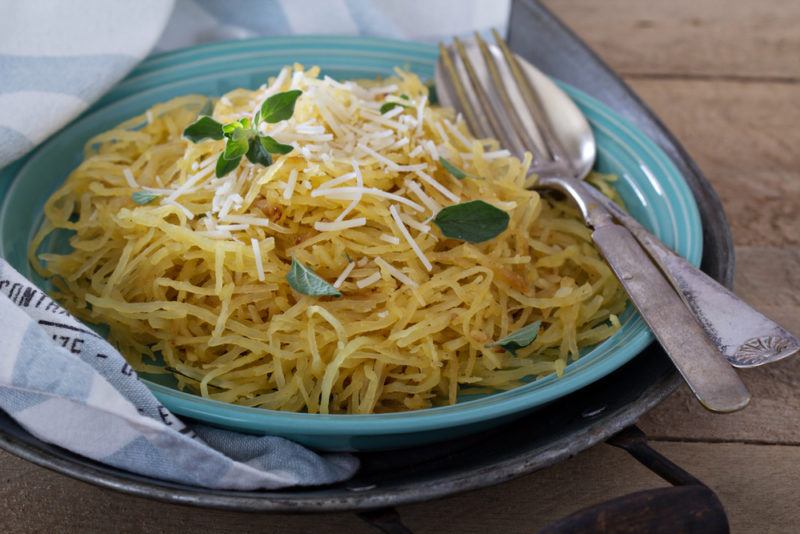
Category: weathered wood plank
[757,485]
[743,136]
[725,38]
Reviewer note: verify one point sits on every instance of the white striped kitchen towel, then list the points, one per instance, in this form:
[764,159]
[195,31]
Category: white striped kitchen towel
[68,386]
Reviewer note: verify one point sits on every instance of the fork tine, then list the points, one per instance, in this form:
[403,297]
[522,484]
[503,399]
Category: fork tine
[461,93]
[523,140]
[534,103]
[485,107]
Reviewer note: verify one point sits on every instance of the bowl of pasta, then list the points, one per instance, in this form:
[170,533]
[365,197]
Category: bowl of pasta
[290,236]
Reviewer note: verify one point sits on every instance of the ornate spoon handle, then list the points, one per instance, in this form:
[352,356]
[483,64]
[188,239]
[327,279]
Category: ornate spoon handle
[713,381]
[744,335]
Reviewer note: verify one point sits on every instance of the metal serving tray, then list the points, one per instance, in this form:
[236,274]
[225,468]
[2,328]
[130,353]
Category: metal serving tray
[554,433]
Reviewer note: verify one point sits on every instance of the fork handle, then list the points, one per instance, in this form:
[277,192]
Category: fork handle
[744,335]
[705,370]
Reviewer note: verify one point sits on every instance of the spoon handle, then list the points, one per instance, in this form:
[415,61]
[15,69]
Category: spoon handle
[744,335]
[715,384]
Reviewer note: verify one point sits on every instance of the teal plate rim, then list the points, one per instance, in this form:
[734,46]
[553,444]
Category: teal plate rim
[659,174]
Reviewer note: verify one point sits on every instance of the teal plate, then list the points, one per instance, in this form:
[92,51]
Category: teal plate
[651,186]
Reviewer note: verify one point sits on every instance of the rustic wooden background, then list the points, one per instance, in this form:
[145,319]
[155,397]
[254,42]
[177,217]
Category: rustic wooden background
[725,77]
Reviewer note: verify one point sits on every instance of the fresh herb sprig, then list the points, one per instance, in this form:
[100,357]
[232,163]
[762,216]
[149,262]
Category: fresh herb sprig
[519,339]
[475,221]
[242,137]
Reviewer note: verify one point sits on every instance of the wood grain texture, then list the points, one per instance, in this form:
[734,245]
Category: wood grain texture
[734,39]
[744,137]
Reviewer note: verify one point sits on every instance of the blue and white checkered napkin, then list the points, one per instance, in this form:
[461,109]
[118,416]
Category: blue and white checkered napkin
[68,386]
[58,379]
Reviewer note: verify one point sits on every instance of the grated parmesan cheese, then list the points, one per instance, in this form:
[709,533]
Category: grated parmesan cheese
[368,281]
[392,165]
[395,272]
[430,180]
[339,225]
[259,261]
[350,192]
[129,178]
[497,154]
[390,239]
[457,133]
[422,227]
[287,193]
[359,183]
[423,197]
[432,150]
[190,185]
[409,239]
[344,274]
[255,221]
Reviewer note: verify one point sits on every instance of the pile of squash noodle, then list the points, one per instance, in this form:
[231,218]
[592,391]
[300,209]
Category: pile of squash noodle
[194,282]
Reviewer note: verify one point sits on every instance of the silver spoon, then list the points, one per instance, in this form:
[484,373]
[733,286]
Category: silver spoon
[553,128]
[496,99]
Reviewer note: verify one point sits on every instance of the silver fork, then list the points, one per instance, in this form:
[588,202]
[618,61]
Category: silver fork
[744,335]
[488,111]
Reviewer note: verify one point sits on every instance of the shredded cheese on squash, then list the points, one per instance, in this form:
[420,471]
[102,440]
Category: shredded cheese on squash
[197,277]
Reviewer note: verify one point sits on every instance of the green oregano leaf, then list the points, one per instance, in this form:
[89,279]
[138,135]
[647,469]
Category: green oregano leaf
[274,147]
[224,166]
[237,144]
[305,281]
[258,154]
[279,107]
[452,169]
[474,221]
[203,128]
[519,339]
[144,197]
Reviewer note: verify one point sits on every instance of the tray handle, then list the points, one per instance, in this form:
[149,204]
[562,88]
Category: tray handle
[662,510]
[688,506]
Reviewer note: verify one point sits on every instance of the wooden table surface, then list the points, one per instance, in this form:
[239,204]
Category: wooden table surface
[724,75]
